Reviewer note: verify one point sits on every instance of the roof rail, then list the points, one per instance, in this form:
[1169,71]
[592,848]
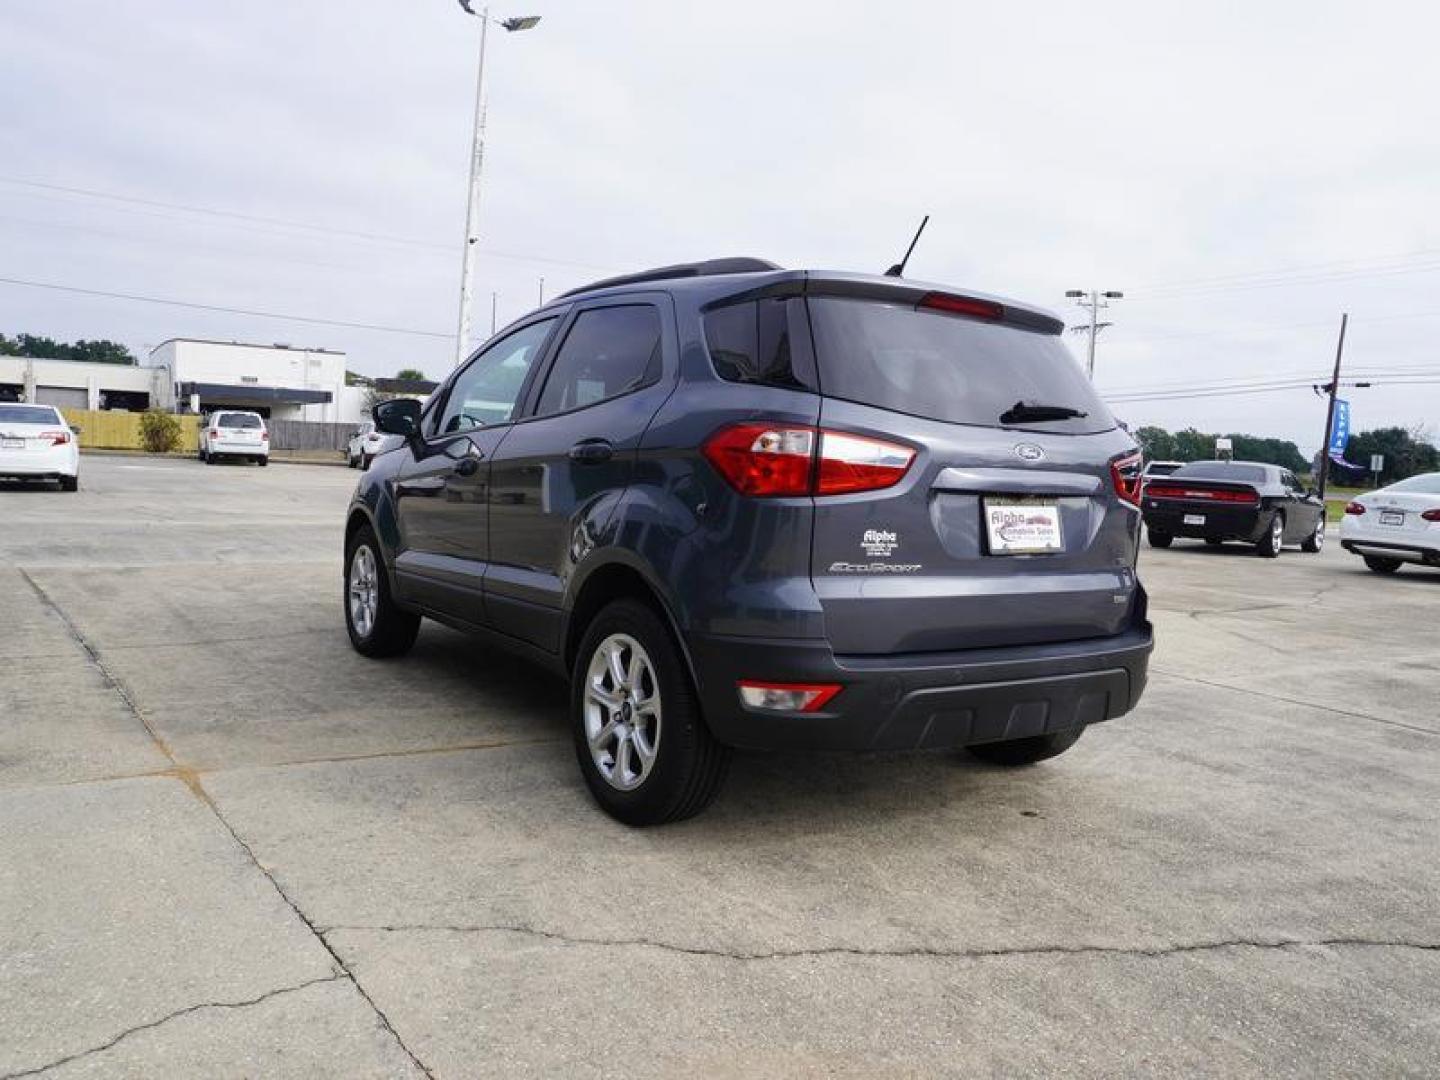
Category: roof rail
[708,268]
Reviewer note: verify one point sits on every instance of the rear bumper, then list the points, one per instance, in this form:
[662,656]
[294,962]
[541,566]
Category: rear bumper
[221,449]
[1390,549]
[51,464]
[921,700]
[1221,523]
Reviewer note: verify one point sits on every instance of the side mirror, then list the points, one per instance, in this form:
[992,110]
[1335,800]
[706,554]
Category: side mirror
[74,429]
[400,416]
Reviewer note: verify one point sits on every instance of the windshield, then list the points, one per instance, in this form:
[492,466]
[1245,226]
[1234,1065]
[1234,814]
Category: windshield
[1426,484]
[1221,470]
[29,414]
[943,367]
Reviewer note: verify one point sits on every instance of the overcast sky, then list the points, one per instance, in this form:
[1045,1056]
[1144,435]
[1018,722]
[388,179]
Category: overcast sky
[1244,172]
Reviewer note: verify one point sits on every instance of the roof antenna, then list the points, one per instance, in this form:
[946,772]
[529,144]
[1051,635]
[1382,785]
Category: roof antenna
[898,270]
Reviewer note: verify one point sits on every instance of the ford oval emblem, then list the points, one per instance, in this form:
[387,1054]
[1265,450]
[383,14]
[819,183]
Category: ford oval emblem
[1029,452]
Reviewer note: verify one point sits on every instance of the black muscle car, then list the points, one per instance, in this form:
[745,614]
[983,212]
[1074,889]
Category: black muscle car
[1244,501]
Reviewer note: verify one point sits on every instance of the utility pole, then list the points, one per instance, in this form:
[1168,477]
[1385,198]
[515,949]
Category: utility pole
[542,292]
[1094,300]
[1334,389]
[493,300]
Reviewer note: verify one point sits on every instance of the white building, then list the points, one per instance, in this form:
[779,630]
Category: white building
[69,385]
[281,381]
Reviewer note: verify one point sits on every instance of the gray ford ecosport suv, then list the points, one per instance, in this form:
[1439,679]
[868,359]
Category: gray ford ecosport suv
[740,506]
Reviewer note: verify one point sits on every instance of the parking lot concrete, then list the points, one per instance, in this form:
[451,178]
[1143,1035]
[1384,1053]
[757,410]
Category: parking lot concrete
[229,846]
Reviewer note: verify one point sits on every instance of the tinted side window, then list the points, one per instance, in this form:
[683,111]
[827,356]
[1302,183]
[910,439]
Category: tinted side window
[487,391]
[751,343]
[608,351]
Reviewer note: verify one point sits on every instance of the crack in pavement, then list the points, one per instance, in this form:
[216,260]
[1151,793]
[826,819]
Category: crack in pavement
[1296,701]
[148,1025]
[191,779]
[913,952]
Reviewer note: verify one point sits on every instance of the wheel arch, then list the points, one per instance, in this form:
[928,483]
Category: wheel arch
[615,579]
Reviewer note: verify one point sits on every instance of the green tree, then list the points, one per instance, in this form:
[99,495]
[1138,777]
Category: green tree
[1192,445]
[1406,452]
[411,374]
[44,348]
[101,352]
[1157,443]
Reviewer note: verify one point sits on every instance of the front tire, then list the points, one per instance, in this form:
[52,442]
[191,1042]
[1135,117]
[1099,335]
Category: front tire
[377,625]
[1159,539]
[1312,544]
[643,747]
[1382,565]
[1027,751]
[1274,538]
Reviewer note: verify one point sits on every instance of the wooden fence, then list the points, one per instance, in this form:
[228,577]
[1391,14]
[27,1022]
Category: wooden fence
[121,431]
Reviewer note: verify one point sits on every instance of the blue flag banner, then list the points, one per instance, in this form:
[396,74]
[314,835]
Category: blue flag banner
[1340,433]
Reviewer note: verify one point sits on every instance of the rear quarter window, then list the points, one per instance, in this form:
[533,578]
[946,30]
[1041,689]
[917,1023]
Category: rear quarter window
[760,341]
[948,367]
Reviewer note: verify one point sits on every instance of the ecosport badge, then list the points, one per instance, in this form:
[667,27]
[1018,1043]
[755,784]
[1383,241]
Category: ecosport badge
[1026,451]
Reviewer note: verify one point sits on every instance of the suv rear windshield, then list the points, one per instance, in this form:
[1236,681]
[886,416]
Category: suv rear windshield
[238,420]
[946,367]
[1221,470]
[28,414]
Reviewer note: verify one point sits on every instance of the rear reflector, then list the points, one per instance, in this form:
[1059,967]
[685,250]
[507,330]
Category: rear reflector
[1354,508]
[775,460]
[57,438]
[1125,475]
[1431,515]
[1154,490]
[962,305]
[786,697]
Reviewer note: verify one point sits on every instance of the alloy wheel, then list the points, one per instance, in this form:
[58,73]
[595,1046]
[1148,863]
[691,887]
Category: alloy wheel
[622,711]
[364,590]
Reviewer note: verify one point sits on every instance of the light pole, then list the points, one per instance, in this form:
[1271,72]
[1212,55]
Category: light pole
[1094,300]
[477,160]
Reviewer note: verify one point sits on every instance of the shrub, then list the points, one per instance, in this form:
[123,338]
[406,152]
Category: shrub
[159,431]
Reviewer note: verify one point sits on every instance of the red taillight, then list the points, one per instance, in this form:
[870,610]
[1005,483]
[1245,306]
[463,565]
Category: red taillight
[764,459]
[1157,490]
[962,305]
[1125,475]
[57,438]
[850,463]
[265,435]
[776,460]
[786,697]
[1431,515]
[214,434]
[1354,508]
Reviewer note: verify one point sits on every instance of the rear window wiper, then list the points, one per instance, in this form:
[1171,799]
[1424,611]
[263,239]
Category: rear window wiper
[1021,413]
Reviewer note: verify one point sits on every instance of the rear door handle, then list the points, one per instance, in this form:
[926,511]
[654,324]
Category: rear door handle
[592,452]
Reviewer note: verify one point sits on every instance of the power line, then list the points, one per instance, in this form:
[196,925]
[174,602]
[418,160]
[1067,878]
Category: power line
[229,310]
[1302,268]
[1242,391]
[244,219]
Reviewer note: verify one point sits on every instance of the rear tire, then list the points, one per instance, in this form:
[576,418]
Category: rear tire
[1159,539]
[70,483]
[1312,544]
[614,720]
[377,625]
[262,461]
[365,460]
[1027,751]
[1274,538]
[1383,565]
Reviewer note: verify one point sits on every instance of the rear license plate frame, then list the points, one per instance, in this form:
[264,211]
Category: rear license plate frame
[1194,519]
[12,444]
[1394,519]
[1023,525]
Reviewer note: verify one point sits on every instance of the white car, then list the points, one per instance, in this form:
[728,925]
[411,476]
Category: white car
[1395,525]
[37,444]
[366,443]
[235,434]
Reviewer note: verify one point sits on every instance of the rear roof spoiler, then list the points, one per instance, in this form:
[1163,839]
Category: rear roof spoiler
[708,268]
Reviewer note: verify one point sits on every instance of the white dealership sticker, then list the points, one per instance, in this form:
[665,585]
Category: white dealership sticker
[1023,526]
[879,543]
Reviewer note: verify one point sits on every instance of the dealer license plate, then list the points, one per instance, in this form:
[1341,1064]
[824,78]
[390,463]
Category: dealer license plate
[1194,519]
[12,444]
[1020,526]
[1392,517]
